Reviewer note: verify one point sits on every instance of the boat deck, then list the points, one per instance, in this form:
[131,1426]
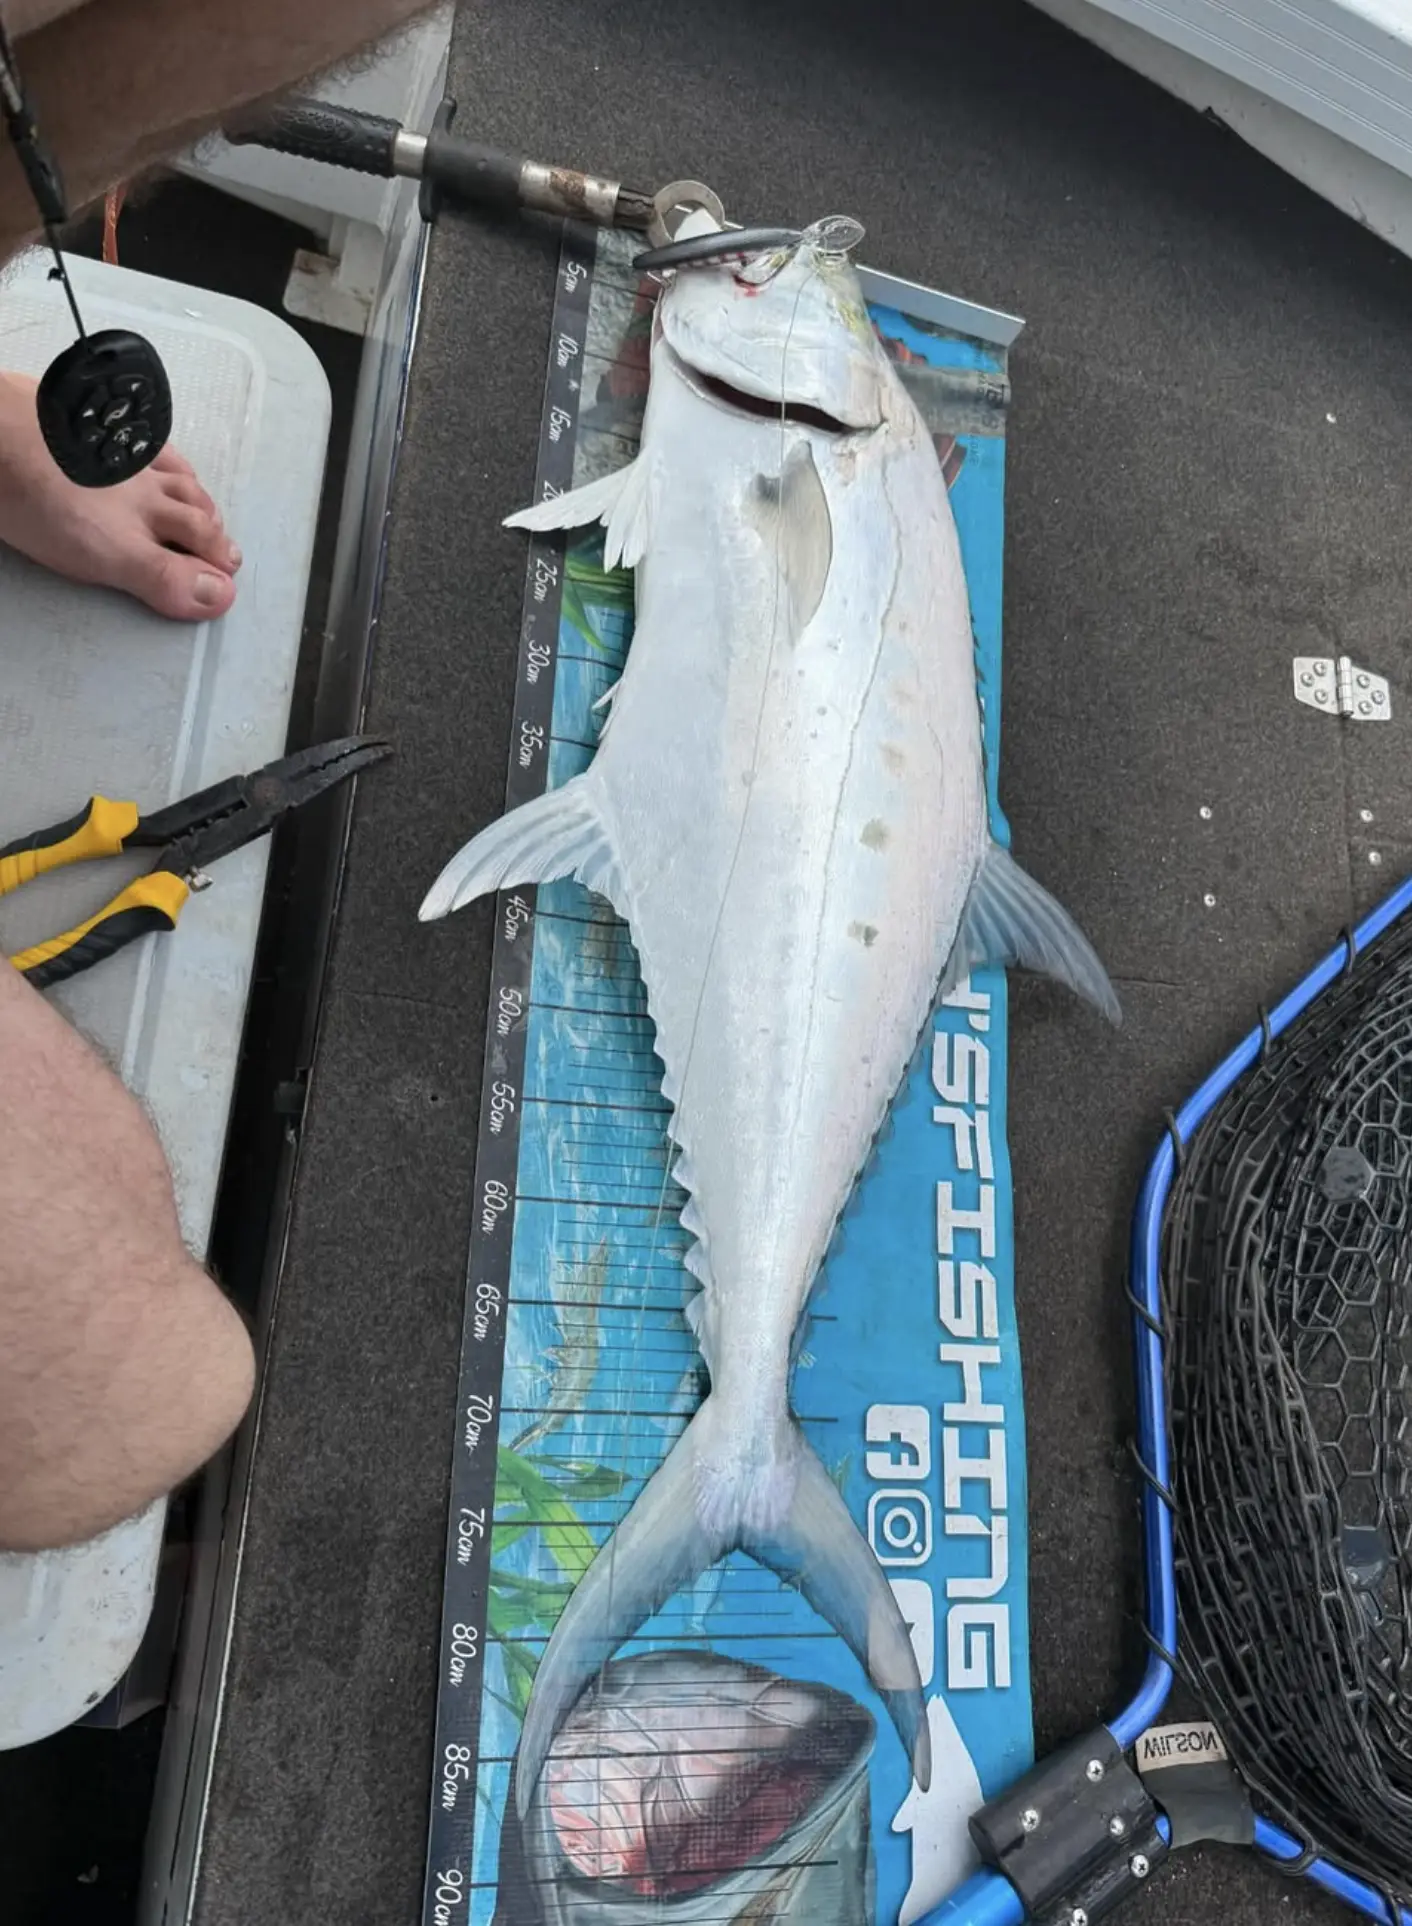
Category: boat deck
[1207,477]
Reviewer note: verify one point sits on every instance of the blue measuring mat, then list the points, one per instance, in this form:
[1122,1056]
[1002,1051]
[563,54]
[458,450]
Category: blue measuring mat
[731,1761]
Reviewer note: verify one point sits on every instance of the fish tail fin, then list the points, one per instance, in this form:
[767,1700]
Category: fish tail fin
[560,833]
[1010,918]
[707,1499]
[819,1548]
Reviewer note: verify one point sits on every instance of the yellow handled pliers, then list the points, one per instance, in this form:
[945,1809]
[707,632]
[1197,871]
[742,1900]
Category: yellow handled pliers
[190,835]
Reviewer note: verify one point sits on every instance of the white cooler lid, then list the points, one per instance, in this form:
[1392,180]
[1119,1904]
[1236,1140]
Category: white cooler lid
[97,695]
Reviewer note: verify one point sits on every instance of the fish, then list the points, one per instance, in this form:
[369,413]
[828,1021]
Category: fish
[787,806]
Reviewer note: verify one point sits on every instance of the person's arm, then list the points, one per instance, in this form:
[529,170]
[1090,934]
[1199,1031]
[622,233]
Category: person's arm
[119,85]
[122,1366]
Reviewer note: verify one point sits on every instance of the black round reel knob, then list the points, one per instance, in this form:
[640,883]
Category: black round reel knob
[105,408]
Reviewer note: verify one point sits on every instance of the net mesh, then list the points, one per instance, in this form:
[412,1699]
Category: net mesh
[1287,1285]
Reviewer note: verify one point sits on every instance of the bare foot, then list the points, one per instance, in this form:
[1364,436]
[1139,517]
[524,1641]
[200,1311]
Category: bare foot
[157,537]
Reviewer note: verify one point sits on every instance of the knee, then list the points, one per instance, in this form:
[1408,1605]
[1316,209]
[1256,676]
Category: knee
[124,1413]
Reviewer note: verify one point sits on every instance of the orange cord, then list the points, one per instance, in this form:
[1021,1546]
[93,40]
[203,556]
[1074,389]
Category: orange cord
[112,208]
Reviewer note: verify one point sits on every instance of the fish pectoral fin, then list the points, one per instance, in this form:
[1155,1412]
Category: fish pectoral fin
[1009,918]
[791,512]
[622,501]
[558,834]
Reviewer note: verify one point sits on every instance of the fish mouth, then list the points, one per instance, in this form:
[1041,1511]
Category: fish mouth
[740,401]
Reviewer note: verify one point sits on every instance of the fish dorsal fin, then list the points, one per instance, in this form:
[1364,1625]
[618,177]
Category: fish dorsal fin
[791,512]
[1009,918]
[558,834]
[622,502]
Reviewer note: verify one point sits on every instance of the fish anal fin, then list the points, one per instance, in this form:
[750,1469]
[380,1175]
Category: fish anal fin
[1010,918]
[560,833]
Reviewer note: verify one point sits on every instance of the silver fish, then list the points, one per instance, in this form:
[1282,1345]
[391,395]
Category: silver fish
[788,808]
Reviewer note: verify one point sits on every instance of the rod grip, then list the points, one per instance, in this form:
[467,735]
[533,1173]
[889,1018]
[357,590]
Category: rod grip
[318,130]
[467,172]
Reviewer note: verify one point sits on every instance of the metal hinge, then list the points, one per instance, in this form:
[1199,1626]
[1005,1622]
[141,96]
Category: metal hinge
[1340,688]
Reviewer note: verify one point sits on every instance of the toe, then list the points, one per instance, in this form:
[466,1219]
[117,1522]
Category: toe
[185,587]
[186,488]
[170,461]
[197,530]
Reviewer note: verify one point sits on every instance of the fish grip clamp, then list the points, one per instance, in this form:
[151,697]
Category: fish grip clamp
[1075,1836]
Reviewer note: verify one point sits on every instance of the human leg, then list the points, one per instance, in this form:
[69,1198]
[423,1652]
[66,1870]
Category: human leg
[122,1366]
[121,85]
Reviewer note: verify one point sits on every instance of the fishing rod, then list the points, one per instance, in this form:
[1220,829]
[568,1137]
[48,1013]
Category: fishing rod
[454,170]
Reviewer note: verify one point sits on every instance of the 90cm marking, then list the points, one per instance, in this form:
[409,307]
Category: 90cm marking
[450,1891]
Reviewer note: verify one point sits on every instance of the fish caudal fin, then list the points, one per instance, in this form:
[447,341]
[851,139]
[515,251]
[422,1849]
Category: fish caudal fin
[1009,918]
[558,834]
[689,1515]
[820,1549]
[622,501]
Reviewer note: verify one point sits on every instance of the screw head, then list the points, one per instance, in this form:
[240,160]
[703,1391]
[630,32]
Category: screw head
[1093,1771]
[1321,695]
[1209,900]
[1205,812]
[1306,681]
[1375,857]
[1379,697]
[1365,815]
[1116,1827]
[1029,1820]
[1365,708]
[1362,681]
[1139,1865]
[1078,1917]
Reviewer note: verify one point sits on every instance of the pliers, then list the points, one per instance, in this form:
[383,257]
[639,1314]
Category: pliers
[190,835]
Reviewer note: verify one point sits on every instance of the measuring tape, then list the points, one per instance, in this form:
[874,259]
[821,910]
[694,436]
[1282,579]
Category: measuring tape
[578,1370]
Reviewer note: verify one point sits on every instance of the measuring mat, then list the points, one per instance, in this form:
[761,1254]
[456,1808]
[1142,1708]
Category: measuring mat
[731,1761]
